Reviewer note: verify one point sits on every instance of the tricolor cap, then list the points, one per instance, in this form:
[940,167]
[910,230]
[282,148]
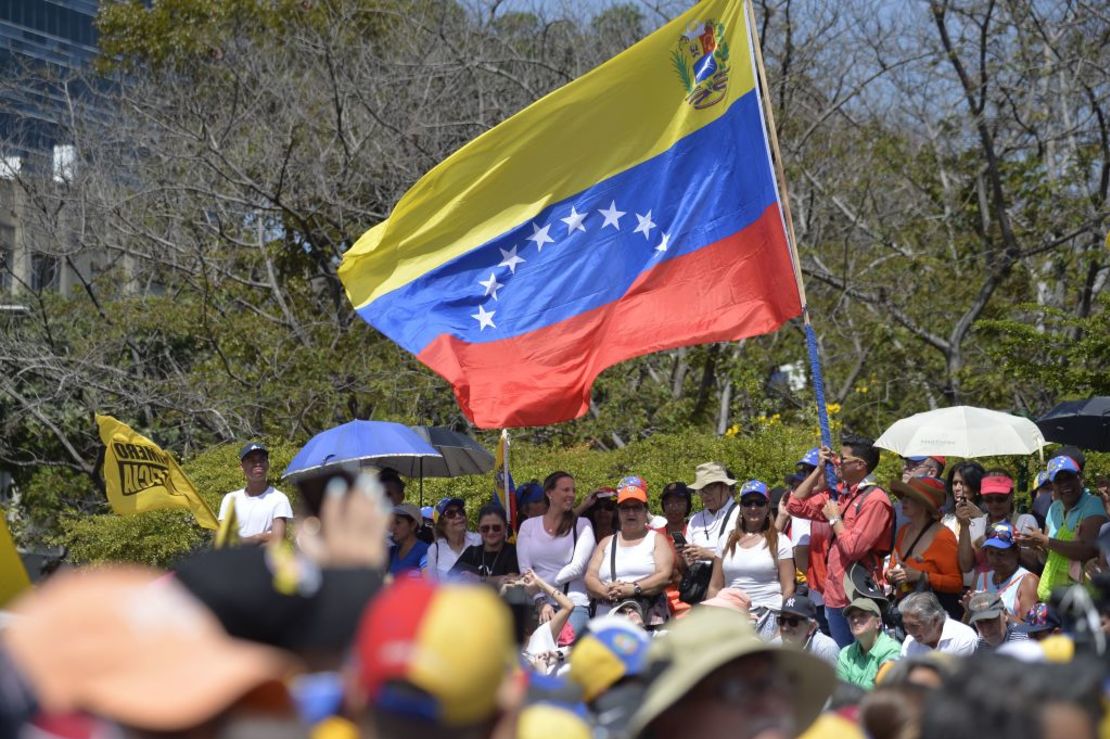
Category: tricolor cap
[552,708]
[632,481]
[1000,535]
[428,512]
[754,486]
[529,492]
[1056,465]
[1041,617]
[611,649]
[811,458]
[1041,480]
[918,460]
[445,503]
[415,660]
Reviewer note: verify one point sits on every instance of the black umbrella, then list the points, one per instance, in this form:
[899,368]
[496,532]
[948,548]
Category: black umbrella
[1084,423]
[460,455]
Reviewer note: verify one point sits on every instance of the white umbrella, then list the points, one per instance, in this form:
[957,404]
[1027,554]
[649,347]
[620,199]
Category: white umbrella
[962,431]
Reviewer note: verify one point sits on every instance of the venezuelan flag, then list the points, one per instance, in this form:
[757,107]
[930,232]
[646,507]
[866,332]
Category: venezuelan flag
[631,211]
[504,491]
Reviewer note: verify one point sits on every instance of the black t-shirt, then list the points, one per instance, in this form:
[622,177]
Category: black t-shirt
[477,561]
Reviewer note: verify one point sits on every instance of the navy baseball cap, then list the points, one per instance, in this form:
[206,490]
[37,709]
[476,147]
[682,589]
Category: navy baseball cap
[252,447]
[754,486]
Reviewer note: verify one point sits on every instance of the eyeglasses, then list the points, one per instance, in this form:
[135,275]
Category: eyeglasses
[791,621]
[453,513]
[491,528]
[754,502]
[846,458]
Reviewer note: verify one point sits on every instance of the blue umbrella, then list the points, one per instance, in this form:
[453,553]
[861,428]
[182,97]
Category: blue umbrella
[378,443]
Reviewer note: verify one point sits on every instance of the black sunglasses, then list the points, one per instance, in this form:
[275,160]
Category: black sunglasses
[754,502]
[790,621]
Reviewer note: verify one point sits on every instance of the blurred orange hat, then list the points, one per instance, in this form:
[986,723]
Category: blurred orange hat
[131,645]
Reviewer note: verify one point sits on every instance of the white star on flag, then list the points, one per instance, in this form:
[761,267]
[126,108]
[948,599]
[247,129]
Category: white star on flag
[645,226]
[663,244]
[574,221]
[491,285]
[612,216]
[539,235]
[484,318]
[510,259]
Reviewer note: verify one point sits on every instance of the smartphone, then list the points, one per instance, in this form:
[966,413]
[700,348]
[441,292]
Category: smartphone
[679,539]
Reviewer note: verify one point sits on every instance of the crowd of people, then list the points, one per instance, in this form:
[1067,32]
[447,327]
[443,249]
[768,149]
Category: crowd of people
[932,605]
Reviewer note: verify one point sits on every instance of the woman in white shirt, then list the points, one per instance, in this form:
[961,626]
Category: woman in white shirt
[452,538]
[632,563]
[557,546]
[756,558]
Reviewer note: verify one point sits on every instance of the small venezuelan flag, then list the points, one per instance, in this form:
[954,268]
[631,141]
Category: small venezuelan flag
[631,211]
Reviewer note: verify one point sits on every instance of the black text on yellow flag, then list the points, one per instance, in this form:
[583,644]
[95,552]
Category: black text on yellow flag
[139,476]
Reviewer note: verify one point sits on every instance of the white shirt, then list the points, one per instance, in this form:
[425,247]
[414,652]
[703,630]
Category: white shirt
[441,557]
[955,638]
[256,513]
[559,561]
[819,645]
[633,563]
[755,572]
[704,528]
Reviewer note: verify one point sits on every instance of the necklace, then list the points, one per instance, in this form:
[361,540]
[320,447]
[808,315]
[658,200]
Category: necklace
[486,570]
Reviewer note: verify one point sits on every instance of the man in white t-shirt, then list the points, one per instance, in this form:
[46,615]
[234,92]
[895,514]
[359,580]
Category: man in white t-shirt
[261,509]
[715,484]
[928,628]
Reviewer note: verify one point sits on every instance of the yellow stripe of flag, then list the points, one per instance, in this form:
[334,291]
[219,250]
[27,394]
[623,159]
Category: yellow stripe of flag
[622,113]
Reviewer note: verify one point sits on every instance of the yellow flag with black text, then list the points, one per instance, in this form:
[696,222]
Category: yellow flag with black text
[13,575]
[139,476]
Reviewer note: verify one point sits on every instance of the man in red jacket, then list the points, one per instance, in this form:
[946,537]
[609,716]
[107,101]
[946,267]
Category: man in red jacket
[862,521]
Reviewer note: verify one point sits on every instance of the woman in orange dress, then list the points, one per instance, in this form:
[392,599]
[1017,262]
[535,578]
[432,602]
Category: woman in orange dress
[926,553]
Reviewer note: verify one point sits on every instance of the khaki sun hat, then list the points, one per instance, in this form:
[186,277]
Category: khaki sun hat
[709,473]
[709,638]
[132,646]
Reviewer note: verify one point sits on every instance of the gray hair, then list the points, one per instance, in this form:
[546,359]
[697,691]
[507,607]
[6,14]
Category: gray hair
[924,606]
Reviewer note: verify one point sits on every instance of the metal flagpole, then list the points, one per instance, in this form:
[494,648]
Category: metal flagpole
[788,221]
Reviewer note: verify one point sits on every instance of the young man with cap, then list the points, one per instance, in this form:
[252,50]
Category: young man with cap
[990,617]
[860,661]
[261,509]
[1071,530]
[798,626]
[862,521]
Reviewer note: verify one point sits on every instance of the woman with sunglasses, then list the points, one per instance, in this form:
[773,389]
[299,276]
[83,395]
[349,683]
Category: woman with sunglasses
[452,538]
[757,558]
[494,560]
[1016,585]
[925,552]
[996,495]
[634,563]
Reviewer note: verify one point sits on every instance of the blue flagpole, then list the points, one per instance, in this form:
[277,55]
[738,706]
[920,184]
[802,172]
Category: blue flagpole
[818,377]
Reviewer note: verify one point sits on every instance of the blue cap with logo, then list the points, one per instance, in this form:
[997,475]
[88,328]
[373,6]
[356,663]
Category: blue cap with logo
[1042,480]
[754,486]
[251,447]
[529,492]
[1056,465]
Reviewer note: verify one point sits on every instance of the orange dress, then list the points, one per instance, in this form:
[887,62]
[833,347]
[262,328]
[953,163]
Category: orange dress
[941,561]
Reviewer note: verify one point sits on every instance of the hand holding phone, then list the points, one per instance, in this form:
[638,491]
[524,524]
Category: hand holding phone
[679,539]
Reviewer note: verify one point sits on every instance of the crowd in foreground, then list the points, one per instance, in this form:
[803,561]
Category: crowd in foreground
[769,612]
